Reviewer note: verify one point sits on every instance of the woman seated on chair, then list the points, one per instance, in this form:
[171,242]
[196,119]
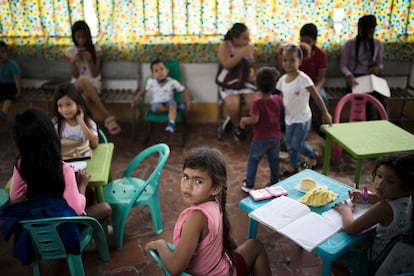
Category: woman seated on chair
[235,47]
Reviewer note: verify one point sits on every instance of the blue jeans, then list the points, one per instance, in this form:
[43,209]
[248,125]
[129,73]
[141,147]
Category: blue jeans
[295,141]
[324,97]
[258,149]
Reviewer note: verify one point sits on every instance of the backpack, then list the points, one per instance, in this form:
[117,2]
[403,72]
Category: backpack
[235,77]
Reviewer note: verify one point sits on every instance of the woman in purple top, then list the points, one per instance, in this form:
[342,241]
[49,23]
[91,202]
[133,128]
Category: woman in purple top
[363,55]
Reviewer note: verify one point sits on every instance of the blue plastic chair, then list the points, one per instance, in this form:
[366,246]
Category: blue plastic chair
[127,192]
[48,244]
[157,258]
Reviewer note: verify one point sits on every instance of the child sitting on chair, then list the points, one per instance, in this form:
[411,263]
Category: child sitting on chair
[162,89]
[202,232]
[73,122]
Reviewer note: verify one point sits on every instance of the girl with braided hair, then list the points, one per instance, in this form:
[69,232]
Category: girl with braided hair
[202,231]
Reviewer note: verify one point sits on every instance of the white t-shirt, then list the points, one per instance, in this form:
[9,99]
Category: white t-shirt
[75,132]
[296,98]
[165,93]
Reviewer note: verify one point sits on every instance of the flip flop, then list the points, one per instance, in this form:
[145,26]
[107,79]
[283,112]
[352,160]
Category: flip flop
[112,126]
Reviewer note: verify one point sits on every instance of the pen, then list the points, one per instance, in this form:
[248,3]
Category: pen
[365,194]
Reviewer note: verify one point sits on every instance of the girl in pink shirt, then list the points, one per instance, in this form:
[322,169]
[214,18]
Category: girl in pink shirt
[202,232]
[39,170]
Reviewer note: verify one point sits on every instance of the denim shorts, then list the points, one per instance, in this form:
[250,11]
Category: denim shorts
[165,104]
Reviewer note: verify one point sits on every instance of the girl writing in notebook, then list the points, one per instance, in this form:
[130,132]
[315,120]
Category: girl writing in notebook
[391,212]
[73,122]
[202,232]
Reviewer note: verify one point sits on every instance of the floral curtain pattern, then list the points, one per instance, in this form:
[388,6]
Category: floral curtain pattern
[191,30]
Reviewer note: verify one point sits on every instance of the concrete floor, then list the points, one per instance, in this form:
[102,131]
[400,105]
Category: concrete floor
[285,256]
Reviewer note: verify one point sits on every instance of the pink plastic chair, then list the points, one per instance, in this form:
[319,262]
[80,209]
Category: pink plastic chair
[357,112]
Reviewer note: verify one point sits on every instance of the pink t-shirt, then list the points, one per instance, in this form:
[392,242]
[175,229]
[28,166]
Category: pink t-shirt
[207,258]
[71,193]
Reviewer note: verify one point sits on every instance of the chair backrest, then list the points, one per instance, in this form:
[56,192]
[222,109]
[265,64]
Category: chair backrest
[48,243]
[157,258]
[163,153]
[357,110]
[102,137]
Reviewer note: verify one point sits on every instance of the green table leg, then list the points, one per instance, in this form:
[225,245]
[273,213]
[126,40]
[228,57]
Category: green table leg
[358,172]
[327,154]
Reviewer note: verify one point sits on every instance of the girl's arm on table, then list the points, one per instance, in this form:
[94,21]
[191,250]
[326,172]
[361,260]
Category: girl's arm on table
[318,99]
[380,212]
[194,230]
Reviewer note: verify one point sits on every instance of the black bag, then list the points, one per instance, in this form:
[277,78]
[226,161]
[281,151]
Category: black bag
[235,77]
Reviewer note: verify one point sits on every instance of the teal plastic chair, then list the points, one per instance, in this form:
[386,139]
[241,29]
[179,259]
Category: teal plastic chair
[127,192]
[4,197]
[157,258]
[48,245]
[155,117]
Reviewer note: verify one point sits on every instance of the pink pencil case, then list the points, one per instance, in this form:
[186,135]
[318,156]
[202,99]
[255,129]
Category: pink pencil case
[268,192]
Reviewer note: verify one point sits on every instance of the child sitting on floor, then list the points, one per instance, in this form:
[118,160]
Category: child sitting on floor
[162,87]
[202,232]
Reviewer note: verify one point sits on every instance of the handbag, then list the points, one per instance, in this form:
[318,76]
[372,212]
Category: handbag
[235,77]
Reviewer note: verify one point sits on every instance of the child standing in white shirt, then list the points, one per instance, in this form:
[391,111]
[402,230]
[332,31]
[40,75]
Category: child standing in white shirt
[296,88]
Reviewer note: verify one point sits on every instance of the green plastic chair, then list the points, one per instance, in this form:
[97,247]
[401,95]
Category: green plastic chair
[48,244]
[127,192]
[102,137]
[157,258]
[4,197]
[155,117]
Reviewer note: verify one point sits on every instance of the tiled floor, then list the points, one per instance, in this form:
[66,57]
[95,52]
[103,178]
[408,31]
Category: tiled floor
[286,258]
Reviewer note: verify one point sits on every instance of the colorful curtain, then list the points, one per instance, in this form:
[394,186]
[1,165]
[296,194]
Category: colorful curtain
[191,30]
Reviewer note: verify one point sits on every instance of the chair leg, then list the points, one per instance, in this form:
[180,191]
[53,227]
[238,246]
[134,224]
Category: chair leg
[75,265]
[119,217]
[36,268]
[155,211]
[148,132]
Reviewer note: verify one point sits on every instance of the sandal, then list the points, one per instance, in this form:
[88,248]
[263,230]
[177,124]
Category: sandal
[112,126]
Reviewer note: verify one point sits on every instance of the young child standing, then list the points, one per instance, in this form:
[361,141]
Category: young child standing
[162,87]
[10,80]
[84,59]
[73,122]
[265,118]
[202,232]
[393,183]
[296,87]
[39,170]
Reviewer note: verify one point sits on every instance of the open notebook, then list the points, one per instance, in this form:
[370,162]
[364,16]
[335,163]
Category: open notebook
[297,222]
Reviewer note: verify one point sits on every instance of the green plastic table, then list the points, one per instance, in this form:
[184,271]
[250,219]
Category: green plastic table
[367,139]
[99,166]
